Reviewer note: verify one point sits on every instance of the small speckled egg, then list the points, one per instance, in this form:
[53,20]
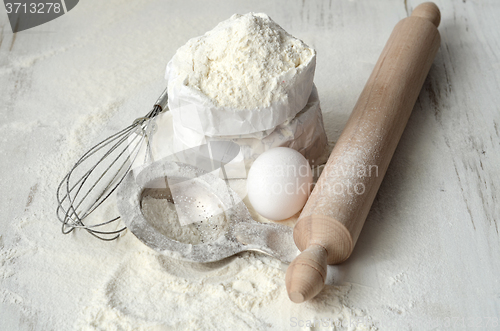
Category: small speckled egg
[279,183]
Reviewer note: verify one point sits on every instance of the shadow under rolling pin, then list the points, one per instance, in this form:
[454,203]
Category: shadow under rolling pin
[334,214]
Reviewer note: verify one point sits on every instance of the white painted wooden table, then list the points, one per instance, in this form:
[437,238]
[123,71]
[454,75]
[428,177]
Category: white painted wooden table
[429,254]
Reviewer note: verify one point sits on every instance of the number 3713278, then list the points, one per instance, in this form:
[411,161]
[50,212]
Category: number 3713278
[33,8]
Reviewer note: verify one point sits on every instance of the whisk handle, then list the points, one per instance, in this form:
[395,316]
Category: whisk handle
[162,100]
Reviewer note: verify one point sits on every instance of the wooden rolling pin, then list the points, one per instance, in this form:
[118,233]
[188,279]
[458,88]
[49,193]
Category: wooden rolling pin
[332,218]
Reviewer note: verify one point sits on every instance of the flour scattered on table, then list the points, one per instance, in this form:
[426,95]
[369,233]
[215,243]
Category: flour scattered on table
[50,281]
[124,285]
[245,292]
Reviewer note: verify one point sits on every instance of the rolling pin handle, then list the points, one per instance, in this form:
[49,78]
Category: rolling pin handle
[331,221]
[306,275]
[429,11]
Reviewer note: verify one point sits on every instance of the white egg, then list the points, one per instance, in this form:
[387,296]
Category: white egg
[279,183]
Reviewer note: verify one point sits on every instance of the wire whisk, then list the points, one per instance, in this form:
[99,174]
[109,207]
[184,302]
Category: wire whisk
[98,173]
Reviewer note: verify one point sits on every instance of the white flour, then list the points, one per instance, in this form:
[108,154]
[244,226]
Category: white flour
[101,66]
[246,292]
[162,215]
[49,281]
[124,285]
[239,63]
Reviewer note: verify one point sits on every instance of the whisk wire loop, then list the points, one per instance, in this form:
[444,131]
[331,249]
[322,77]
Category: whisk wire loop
[99,172]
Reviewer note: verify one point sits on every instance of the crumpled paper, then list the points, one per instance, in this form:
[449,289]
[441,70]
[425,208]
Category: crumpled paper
[194,110]
[171,141]
[304,133]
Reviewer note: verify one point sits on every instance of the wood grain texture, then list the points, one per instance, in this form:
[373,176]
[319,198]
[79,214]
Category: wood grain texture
[346,189]
[308,273]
